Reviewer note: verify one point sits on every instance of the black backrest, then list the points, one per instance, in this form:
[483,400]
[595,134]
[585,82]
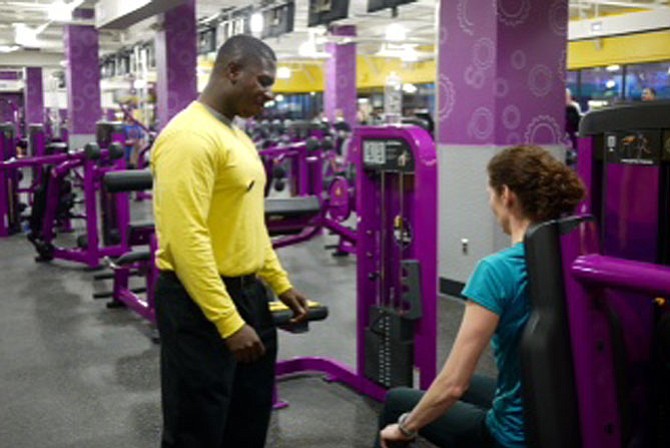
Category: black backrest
[549,395]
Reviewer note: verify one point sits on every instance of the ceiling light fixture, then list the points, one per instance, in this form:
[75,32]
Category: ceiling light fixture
[396,32]
[283,73]
[256,23]
[59,11]
[8,48]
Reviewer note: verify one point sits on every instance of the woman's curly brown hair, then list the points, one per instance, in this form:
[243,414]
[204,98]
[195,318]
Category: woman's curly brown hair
[546,188]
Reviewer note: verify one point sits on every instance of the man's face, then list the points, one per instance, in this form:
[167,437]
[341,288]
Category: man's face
[255,88]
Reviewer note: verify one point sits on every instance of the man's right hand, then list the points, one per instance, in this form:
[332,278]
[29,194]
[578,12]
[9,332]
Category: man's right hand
[245,345]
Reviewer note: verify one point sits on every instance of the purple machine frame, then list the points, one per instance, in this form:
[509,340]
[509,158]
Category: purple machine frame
[600,394]
[118,205]
[623,156]
[9,206]
[397,202]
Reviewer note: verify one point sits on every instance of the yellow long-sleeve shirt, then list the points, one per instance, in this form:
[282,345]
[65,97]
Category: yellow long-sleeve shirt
[209,210]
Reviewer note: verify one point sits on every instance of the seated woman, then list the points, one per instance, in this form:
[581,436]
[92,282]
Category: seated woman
[526,186]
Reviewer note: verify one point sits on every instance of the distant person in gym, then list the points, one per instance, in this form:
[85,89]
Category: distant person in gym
[462,409]
[648,94]
[218,340]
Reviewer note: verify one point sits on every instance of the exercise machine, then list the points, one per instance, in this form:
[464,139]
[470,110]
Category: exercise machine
[396,185]
[88,167]
[597,346]
[10,220]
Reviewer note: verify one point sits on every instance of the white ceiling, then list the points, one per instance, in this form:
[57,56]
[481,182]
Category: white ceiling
[418,18]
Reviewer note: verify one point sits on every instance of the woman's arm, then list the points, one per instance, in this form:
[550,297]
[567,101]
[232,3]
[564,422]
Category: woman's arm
[476,330]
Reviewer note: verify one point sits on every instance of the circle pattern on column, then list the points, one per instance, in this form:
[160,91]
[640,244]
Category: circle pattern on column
[173,102]
[447,98]
[462,15]
[511,117]
[558,17]
[77,104]
[185,58]
[342,81]
[518,59]
[542,130]
[540,80]
[513,138]
[512,12]
[75,52]
[501,87]
[90,38]
[90,91]
[474,77]
[88,73]
[481,124]
[483,53]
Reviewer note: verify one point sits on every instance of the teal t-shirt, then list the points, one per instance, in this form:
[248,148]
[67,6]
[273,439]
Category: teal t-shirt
[500,284]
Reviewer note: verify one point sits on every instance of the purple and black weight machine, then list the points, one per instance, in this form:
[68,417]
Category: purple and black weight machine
[10,216]
[299,218]
[87,167]
[396,186]
[596,350]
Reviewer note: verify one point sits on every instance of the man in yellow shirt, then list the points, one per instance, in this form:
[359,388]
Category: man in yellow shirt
[218,341]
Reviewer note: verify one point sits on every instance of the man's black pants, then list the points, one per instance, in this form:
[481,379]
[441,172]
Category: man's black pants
[209,400]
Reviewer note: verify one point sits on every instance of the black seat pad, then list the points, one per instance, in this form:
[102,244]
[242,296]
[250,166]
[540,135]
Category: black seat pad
[133,257]
[138,226]
[292,207]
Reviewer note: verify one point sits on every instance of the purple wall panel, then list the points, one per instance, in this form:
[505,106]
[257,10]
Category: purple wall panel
[34,105]
[82,77]
[340,86]
[502,70]
[176,61]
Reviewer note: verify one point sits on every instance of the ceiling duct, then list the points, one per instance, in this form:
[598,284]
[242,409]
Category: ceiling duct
[121,14]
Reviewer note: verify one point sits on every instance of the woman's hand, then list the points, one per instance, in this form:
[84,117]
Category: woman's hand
[391,437]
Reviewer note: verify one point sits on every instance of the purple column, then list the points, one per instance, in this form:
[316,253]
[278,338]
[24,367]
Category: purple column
[502,71]
[82,76]
[340,94]
[34,95]
[176,60]
[501,82]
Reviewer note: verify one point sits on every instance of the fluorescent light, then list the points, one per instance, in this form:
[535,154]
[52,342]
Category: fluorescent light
[283,73]
[256,23]
[307,48]
[610,84]
[396,32]
[613,68]
[596,27]
[59,11]
[409,55]
[279,98]
[8,48]
[25,36]
[409,88]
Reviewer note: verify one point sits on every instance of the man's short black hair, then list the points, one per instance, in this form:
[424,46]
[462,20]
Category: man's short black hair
[244,50]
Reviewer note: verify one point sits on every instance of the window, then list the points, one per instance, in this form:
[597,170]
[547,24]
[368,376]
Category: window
[655,75]
[601,86]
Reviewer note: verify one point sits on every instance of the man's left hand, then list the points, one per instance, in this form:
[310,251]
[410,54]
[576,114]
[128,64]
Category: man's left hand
[297,303]
[392,437]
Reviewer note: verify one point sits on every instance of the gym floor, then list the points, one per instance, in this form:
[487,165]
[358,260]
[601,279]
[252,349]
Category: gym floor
[75,374]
